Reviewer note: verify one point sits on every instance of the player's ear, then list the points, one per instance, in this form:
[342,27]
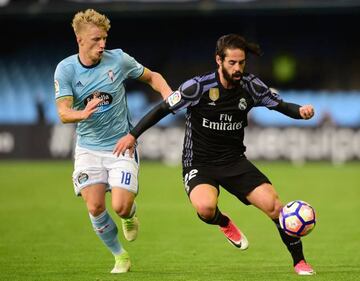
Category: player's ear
[78,39]
[218,60]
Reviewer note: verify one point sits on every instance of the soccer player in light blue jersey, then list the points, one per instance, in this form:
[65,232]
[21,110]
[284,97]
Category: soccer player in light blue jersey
[89,91]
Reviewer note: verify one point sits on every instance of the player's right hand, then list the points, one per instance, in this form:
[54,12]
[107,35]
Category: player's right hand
[91,107]
[125,143]
[307,111]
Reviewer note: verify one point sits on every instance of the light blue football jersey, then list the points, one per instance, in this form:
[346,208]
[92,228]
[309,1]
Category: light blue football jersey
[111,121]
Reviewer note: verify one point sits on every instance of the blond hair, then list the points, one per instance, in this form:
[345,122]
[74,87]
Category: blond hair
[90,16]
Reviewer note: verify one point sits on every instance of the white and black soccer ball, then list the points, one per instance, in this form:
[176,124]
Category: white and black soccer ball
[297,218]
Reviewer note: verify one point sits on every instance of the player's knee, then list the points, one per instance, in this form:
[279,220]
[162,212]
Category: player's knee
[274,210]
[123,210]
[96,209]
[205,211]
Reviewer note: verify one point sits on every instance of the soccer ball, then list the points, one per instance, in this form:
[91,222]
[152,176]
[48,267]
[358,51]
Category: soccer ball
[297,218]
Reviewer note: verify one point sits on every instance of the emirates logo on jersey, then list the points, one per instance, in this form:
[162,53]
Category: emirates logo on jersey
[225,123]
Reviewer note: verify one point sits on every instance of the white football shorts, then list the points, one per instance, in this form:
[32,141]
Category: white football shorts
[93,167]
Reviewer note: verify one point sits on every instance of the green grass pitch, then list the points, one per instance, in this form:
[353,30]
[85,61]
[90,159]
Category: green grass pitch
[45,232]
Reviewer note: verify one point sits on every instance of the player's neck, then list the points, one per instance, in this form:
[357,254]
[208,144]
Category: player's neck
[86,61]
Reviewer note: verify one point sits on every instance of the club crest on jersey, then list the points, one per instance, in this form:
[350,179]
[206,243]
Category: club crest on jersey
[214,94]
[242,104]
[111,75]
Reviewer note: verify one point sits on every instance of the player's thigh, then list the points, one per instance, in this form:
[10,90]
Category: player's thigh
[122,201]
[241,178]
[88,170]
[123,173]
[94,197]
[201,187]
[266,199]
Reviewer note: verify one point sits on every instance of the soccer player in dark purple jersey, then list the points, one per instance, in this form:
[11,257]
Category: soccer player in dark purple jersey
[217,105]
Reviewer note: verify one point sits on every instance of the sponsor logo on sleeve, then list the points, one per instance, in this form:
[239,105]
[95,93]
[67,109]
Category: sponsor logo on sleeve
[174,98]
[57,88]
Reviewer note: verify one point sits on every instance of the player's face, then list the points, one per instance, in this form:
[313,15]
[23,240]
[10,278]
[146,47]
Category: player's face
[92,41]
[232,67]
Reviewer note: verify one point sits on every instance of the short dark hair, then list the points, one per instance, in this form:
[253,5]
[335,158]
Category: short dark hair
[235,41]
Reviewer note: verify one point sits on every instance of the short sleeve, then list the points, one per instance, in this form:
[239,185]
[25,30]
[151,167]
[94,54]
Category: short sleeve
[261,93]
[131,68]
[62,81]
[188,94]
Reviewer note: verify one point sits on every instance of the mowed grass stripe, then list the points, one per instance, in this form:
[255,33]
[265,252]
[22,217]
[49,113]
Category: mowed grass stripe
[46,234]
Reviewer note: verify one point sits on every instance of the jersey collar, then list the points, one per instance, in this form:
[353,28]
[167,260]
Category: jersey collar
[88,66]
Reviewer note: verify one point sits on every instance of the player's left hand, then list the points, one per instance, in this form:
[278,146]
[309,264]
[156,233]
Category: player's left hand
[307,111]
[125,143]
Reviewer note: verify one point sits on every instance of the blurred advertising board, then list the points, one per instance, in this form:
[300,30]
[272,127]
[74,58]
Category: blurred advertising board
[332,135]
[295,144]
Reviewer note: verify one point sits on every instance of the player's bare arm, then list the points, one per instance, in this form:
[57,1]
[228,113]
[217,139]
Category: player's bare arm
[68,115]
[156,81]
[150,119]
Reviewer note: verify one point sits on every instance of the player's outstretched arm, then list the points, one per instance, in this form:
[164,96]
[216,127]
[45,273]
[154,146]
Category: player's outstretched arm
[151,118]
[68,115]
[125,143]
[156,81]
[295,111]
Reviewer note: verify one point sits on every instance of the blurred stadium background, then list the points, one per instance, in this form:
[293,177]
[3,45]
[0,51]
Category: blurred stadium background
[311,55]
